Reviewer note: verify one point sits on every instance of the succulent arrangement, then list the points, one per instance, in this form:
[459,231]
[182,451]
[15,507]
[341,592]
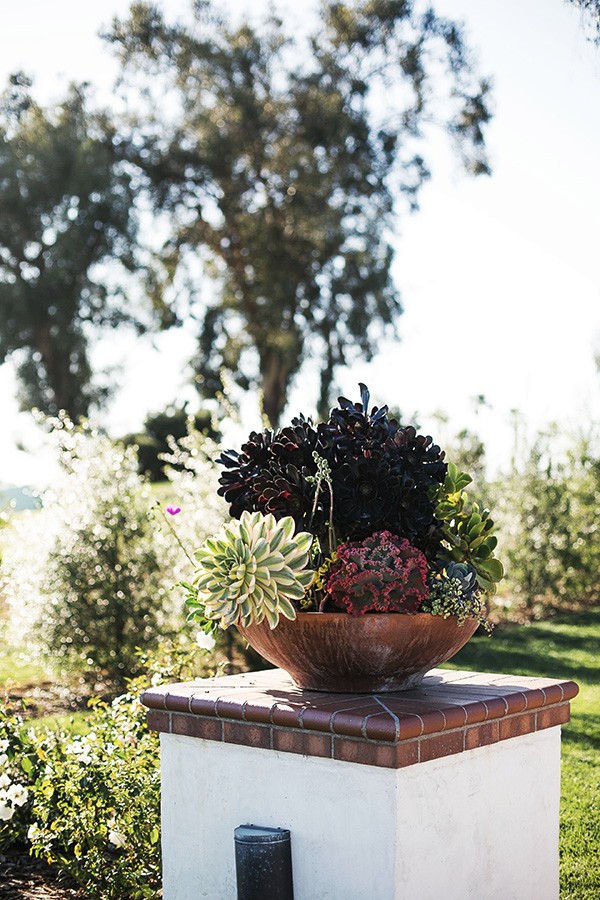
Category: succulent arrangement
[354,515]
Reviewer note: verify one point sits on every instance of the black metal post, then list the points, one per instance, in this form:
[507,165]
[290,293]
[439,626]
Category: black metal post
[263,863]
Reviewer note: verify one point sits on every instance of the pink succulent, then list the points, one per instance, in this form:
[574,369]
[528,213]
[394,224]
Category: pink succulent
[382,573]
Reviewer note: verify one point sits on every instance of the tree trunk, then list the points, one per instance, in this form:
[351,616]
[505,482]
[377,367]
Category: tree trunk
[275,371]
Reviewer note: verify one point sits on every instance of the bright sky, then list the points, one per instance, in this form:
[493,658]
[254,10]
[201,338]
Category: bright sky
[499,276]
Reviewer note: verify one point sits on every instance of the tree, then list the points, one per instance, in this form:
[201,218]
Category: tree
[590,14]
[548,512]
[66,207]
[160,430]
[280,160]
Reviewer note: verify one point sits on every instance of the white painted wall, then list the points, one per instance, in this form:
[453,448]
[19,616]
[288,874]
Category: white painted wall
[481,824]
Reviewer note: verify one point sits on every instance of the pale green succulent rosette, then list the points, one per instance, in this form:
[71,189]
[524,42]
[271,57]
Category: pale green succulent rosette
[253,570]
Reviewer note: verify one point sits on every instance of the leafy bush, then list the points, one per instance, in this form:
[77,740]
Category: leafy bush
[153,442]
[96,809]
[455,592]
[548,513]
[90,575]
[16,767]
[93,805]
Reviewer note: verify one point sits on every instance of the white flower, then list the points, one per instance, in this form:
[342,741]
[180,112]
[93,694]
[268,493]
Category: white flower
[4,780]
[6,812]
[34,832]
[156,679]
[3,745]
[17,794]
[205,641]
[81,751]
[3,759]
[117,839]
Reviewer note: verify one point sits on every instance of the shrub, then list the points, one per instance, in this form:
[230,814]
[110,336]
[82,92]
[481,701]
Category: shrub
[96,809]
[90,575]
[548,509]
[152,444]
[17,771]
[93,804]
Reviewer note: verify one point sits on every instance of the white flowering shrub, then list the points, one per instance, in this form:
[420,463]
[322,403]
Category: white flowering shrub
[89,577]
[91,804]
[16,768]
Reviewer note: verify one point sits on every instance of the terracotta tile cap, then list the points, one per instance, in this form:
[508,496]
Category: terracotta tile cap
[447,700]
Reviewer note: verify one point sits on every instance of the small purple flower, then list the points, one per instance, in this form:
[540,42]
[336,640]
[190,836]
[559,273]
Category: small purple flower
[173,510]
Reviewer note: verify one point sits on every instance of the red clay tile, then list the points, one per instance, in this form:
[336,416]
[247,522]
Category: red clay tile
[389,729]
[250,735]
[476,711]
[553,715]
[287,715]
[154,698]
[433,720]
[318,744]
[515,726]
[258,709]
[316,719]
[367,753]
[407,754]
[455,716]
[198,727]
[553,694]
[570,689]
[409,726]
[480,735]
[350,723]
[516,702]
[229,708]
[203,705]
[380,727]
[437,745]
[535,698]
[179,701]
[158,720]
[496,707]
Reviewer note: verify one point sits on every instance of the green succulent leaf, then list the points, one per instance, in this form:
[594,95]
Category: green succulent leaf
[254,569]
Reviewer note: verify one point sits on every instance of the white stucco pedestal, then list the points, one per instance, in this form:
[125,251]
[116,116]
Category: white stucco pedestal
[449,791]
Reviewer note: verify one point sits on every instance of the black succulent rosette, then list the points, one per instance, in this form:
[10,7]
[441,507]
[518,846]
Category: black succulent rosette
[380,476]
[274,473]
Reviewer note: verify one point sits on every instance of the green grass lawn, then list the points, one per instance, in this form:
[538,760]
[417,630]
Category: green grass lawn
[20,668]
[564,647]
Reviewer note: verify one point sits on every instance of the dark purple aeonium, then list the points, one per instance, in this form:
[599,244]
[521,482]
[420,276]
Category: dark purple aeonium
[381,475]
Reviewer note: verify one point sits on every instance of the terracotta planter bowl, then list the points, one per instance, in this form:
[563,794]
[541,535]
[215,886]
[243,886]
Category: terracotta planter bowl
[359,654]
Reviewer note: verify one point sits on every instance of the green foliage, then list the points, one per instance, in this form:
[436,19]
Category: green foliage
[280,169]
[254,569]
[548,507]
[152,443]
[96,810]
[467,529]
[453,592]
[93,804]
[66,208]
[98,569]
[18,764]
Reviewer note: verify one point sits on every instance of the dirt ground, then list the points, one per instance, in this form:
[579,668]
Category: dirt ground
[24,878]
